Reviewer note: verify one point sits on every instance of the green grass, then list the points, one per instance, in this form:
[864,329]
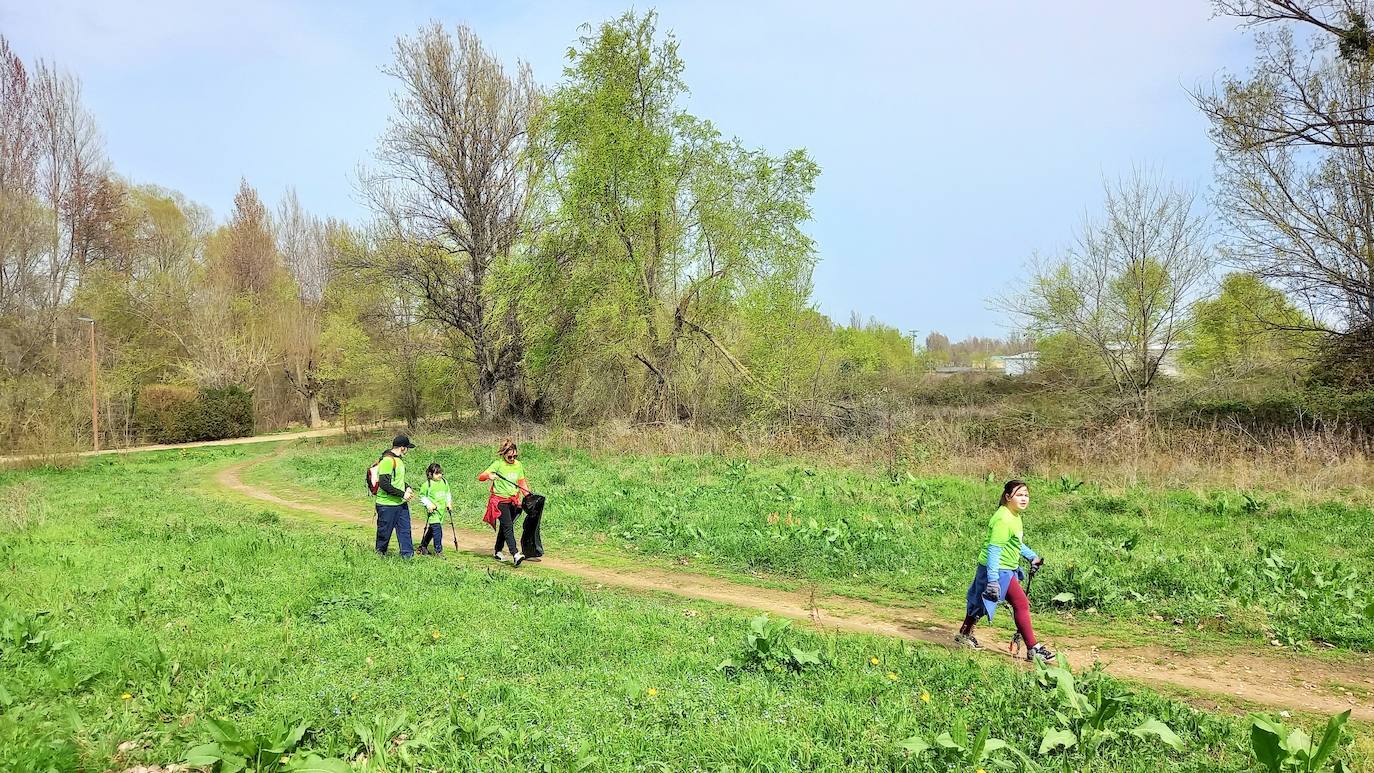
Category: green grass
[1153,558]
[162,608]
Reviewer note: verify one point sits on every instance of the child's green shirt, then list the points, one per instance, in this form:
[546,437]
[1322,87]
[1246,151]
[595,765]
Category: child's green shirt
[435,496]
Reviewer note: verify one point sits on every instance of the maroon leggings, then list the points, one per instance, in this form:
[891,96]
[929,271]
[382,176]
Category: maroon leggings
[1020,612]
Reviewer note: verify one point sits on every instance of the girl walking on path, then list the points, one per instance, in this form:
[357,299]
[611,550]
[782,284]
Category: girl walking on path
[436,497]
[507,478]
[998,576]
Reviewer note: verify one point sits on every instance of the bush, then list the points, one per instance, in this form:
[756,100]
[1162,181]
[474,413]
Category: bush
[1316,407]
[176,414]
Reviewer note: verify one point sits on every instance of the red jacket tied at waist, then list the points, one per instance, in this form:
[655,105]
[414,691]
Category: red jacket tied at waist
[493,513]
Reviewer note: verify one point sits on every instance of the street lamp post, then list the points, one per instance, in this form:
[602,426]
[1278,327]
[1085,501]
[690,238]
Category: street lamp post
[95,410]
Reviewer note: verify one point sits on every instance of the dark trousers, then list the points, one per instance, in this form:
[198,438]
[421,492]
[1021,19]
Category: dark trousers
[505,529]
[394,518]
[434,532]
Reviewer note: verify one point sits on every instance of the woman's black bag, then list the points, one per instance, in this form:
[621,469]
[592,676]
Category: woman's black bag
[530,542]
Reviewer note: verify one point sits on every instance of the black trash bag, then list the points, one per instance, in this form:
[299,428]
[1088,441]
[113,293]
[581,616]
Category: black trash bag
[531,544]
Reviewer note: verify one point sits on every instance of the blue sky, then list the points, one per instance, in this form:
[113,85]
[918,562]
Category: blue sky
[953,141]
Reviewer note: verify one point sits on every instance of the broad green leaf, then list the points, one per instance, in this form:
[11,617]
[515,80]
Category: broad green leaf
[1056,739]
[1267,744]
[915,745]
[1298,741]
[293,737]
[1153,727]
[1063,598]
[945,741]
[223,731]
[317,764]
[205,754]
[805,657]
[1330,739]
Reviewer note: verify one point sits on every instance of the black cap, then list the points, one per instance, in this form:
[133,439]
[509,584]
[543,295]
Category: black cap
[401,441]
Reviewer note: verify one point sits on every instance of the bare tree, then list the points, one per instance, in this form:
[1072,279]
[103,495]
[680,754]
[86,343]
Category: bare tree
[452,193]
[303,241]
[72,164]
[20,227]
[1125,287]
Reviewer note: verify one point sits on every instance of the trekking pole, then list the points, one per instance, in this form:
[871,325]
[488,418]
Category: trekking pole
[453,529]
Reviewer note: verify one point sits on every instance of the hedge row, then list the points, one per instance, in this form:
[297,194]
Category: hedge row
[165,413]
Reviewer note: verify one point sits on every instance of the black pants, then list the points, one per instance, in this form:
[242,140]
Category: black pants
[434,532]
[505,529]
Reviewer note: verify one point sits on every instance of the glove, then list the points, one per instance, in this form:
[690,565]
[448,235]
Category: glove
[993,592]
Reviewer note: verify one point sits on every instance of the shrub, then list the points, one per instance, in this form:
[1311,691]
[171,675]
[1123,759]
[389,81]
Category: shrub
[176,414]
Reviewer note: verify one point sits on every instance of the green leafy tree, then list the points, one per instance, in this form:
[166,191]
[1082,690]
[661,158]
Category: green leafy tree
[1248,328]
[664,226]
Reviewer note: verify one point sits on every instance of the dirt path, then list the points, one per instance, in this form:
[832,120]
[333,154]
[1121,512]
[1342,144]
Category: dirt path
[1281,681]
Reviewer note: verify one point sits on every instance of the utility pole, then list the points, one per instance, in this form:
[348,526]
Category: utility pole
[95,410]
[913,333]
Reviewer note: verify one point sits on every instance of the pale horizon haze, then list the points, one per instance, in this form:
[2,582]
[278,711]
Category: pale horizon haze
[953,142]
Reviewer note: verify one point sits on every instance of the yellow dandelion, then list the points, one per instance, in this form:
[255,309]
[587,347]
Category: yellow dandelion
[980,770]
[874,660]
[435,635]
[354,697]
[126,697]
[891,675]
[925,697]
[653,691]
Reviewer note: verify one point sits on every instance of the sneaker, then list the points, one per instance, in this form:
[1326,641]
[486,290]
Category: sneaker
[1039,652]
[518,558]
[498,556]
[967,640]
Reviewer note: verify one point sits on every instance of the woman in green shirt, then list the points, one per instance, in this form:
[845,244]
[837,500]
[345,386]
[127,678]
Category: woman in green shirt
[507,477]
[998,577]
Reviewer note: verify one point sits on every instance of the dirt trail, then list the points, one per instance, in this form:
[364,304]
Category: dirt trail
[1278,680]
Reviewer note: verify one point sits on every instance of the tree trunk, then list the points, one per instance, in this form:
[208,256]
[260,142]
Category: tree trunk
[312,410]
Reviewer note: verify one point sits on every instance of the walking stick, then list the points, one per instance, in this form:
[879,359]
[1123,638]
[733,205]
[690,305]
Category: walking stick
[452,528]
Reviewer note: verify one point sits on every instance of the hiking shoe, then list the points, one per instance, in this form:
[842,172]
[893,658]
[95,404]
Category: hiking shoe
[517,559]
[967,640]
[1039,652]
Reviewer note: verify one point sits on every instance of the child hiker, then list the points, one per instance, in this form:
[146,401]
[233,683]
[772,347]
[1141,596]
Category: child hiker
[436,497]
[998,577]
[507,477]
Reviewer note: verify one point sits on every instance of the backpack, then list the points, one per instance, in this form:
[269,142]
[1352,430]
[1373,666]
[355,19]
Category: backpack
[373,479]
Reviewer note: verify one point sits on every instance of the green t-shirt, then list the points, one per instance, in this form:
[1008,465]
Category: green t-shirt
[1005,531]
[512,472]
[396,468]
[436,493]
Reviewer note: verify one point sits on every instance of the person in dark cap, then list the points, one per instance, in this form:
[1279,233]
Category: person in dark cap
[393,498]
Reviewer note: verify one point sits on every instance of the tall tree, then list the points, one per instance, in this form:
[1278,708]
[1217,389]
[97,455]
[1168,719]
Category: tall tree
[1126,286]
[662,225]
[304,243]
[1295,141]
[21,225]
[451,195]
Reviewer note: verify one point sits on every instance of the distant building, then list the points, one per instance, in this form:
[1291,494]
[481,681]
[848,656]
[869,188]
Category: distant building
[1020,364]
[1025,362]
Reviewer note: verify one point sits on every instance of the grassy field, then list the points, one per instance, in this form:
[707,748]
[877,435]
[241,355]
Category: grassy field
[1225,564]
[137,609]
